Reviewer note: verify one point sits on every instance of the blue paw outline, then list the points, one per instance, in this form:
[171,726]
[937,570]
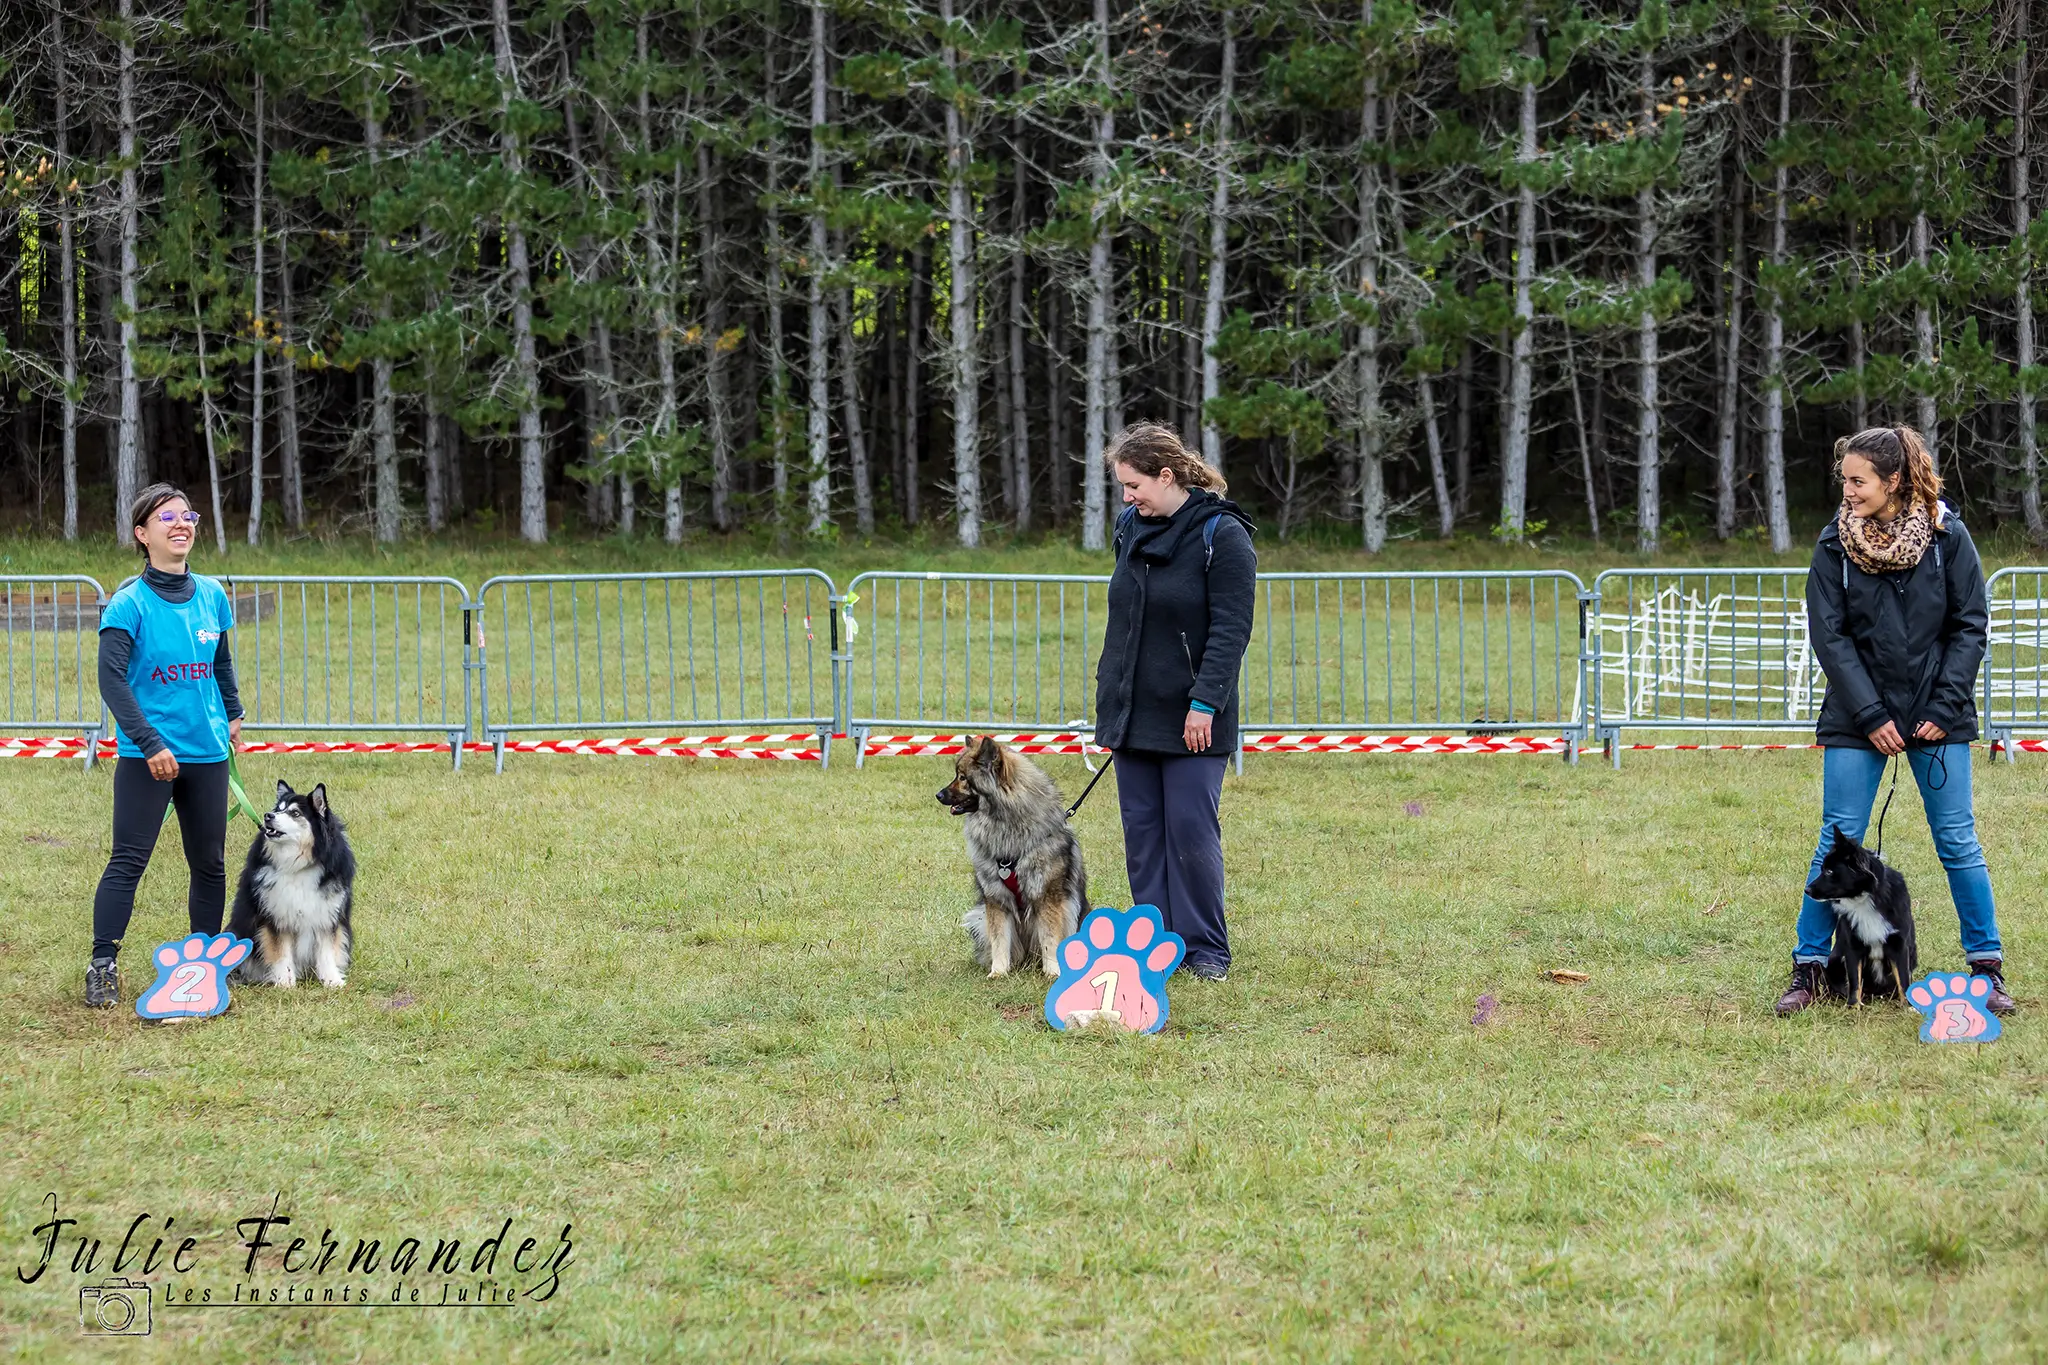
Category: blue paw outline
[1114,971]
[191,976]
[1952,1008]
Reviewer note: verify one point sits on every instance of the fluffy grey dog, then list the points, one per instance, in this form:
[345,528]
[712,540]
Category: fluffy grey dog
[1028,875]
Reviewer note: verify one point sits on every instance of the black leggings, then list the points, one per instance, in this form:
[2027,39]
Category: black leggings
[200,791]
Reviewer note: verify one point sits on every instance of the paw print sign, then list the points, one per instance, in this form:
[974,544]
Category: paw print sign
[1114,972]
[1952,1009]
[191,976]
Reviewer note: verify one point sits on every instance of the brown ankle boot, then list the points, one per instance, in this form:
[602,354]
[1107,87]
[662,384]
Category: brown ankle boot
[1804,990]
[1991,968]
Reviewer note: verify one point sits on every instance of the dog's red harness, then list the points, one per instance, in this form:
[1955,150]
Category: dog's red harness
[1009,870]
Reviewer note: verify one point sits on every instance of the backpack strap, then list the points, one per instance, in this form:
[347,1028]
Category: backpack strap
[1209,541]
[1123,524]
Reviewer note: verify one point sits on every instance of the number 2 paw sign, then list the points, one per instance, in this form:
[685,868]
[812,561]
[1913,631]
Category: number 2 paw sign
[191,976]
[1114,972]
[1952,1009]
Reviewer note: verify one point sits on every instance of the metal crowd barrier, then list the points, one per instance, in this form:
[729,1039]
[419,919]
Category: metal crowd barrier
[1702,650]
[1482,653]
[52,625]
[2014,680]
[752,649]
[972,651]
[382,655]
[1487,653]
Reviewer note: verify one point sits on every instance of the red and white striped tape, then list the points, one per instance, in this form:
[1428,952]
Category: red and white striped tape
[903,746]
[945,746]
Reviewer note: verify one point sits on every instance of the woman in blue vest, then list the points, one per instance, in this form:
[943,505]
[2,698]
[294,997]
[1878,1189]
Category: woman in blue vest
[1180,617]
[167,678]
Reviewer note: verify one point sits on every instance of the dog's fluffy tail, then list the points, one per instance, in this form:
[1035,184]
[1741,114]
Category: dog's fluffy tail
[975,922]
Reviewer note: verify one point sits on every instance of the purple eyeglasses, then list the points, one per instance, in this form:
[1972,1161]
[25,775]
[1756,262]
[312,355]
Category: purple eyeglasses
[187,516]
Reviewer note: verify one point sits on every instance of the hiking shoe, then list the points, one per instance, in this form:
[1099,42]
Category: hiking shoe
[102,984]
[1210,971]
[1804,990]
[1993,969]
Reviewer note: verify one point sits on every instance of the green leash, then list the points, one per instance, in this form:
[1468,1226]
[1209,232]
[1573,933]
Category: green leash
[238,799]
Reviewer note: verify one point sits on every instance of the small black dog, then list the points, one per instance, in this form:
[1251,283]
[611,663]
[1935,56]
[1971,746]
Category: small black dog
[1874,944]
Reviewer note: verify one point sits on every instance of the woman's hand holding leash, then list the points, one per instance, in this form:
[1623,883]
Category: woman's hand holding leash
[1886,738]
[1196,729]
[235,733]
[163,765]
[1930,732]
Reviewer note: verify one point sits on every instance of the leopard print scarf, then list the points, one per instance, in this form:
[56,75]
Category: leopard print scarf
[1880,547]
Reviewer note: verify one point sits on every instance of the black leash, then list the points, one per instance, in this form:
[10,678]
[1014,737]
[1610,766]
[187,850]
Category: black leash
[1894,765]
[1089,788]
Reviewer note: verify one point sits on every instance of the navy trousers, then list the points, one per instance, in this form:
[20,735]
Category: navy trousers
[1173,844]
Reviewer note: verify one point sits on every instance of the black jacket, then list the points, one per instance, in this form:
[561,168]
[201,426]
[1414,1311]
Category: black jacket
[1180,618]
[1900,645]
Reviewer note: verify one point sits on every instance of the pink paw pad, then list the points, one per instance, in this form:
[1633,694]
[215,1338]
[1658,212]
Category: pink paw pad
[1951,1006]
[1114,972]
[191,976]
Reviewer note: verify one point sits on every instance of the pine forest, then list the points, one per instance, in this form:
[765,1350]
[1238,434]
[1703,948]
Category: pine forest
[1400,268]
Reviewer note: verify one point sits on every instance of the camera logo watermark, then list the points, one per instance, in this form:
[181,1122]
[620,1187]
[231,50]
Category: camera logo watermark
[118,1308]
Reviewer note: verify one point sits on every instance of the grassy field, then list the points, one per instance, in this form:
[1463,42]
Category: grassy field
[720,1019]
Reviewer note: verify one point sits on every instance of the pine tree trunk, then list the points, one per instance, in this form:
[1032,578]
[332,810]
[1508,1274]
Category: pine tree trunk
[256,352]
[964,373]
[598,503]
[714,351]
[1219,250]
[220,526]
[1729,416]
[434,448]
[1775,510]
[1020,403]
[1859,402]
[1461,447]
[820,410]
[1514,452]
[778,360]
[533,493]
[128,456]
[1649,492]
[68,274]
[290,475]
[1923,315]
[383,416]
[849,401]
[2023,299]
[913,401]
[658,285]
[1433,442]
[1058,457]
[1101,283]
[1372,487]
[999,367]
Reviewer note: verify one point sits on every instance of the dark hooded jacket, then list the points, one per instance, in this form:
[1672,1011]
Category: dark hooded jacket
[1180,617]
[1904,646]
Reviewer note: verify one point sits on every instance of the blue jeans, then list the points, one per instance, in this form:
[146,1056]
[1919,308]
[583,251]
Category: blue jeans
[1849,788]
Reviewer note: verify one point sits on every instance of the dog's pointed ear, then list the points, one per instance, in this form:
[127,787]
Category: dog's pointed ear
[988,752]
[284,789]
[319,799]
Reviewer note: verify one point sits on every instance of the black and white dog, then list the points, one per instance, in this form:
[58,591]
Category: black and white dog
[1874,944]
[296,889]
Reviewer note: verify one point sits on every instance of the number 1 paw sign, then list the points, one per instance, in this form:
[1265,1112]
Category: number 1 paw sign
[1114,972]
[1952,1009]
[191,976]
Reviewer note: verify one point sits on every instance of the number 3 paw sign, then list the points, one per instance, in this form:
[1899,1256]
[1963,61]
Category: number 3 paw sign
[191,976]
[1952,1009]
[1114,972]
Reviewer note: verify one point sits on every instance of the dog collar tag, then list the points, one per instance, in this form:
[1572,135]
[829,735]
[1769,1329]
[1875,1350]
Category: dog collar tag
[1113,972]
[1951,1006]
[191,976]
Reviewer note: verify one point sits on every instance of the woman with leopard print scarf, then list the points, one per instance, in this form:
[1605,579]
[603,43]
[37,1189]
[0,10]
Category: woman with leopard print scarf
[1896,613]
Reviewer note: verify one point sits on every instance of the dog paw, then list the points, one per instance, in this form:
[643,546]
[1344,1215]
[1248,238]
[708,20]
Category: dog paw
[191,977]
[1114,972]
[1951,1007]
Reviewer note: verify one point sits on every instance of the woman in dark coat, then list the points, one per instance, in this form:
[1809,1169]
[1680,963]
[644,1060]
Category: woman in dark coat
[1180,617]
[1896,611]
